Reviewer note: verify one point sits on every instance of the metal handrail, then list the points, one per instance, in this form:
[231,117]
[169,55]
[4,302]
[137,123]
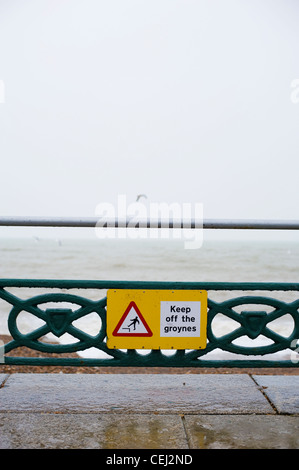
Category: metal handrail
[182,285]
[240,224]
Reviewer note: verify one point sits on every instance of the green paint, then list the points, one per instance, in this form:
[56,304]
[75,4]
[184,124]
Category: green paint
[60,321]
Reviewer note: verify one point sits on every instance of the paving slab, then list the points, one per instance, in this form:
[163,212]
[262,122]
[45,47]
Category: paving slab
[133,393]
[242,432]
[96,431]
[282,391]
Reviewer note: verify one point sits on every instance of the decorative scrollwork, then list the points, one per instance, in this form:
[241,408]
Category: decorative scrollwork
[58,321]
[252,324]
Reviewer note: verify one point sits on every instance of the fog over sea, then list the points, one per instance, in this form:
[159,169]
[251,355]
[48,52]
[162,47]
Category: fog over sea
[272,260]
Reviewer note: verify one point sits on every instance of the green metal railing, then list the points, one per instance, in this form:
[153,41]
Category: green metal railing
[251,323]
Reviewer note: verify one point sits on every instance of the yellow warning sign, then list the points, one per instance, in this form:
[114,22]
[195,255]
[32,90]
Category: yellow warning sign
[156,319]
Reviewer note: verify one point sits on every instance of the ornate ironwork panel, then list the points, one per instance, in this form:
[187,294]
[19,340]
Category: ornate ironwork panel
[250,312]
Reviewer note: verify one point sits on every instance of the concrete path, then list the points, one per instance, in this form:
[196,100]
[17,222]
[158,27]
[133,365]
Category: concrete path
[150,411]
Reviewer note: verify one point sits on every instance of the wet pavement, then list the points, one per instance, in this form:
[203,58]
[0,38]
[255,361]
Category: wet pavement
[150,411]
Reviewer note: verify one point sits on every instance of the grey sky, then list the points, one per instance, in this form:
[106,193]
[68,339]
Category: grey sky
[186,101]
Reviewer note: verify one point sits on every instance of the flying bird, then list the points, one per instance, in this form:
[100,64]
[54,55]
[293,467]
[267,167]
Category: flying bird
[140,196]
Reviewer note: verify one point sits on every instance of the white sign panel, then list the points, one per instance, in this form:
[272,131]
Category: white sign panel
[180,319]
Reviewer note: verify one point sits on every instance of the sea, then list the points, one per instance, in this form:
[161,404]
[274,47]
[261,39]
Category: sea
[228,259]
